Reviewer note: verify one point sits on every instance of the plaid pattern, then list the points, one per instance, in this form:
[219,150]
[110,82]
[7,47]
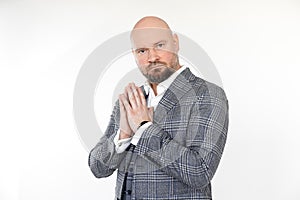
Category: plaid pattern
[178,155]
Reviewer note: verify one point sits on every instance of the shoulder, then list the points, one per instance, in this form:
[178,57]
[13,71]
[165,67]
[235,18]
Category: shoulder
[202,87]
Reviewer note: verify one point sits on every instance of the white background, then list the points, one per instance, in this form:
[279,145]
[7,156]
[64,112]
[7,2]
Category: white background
[255,46]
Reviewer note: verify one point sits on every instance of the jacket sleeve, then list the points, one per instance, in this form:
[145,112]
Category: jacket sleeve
[103,159]
[194,162]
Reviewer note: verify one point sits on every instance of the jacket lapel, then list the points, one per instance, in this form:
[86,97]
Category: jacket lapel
[180,86]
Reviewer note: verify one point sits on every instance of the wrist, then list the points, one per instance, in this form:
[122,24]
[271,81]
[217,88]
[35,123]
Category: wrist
[124,135]
[142,123]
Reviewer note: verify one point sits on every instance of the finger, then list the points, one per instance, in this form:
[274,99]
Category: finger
[151,109]
[122,108]
[136,94]
[142,97]
[151,112]
[125,103]
[125,92]
[131,97]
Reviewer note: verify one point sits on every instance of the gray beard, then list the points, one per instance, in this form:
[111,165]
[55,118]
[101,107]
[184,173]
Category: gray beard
[164,75]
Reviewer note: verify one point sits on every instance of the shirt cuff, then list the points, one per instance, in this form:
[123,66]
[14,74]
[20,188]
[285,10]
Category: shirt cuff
[121,145]
[136,137]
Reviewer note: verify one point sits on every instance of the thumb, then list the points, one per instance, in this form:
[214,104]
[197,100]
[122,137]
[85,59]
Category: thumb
[151,111]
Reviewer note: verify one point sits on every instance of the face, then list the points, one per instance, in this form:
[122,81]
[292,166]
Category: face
[155,52]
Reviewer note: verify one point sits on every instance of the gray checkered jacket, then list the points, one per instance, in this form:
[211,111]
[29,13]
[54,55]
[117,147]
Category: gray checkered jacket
[177,156]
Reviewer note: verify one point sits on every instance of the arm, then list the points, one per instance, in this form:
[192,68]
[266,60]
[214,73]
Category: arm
[103,158]
[195,162]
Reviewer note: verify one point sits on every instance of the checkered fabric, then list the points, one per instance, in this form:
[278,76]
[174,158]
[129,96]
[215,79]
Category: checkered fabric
[177,156]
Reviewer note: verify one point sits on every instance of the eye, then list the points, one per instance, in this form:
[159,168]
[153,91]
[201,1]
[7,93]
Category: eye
[141,51]
[160,45]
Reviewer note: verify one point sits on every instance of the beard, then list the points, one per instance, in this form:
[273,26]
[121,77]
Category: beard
[157,72]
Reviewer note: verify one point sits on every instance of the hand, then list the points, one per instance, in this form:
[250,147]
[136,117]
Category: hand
[136,107]
[125,130]
[151,113]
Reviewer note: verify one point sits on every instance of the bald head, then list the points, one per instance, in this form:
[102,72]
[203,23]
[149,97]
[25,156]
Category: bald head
[151,22]
[151,31]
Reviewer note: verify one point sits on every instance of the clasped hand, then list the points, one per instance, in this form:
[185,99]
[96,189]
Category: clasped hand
[133,110]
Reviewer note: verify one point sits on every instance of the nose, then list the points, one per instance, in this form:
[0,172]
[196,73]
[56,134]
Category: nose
[153,55]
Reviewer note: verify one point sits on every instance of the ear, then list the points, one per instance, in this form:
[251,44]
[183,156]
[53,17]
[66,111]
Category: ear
[134,55]
[176,42]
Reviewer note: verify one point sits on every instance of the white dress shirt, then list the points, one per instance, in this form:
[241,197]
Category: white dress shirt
[152,101]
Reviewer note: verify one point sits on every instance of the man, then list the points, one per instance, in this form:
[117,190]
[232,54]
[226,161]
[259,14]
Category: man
[165,138]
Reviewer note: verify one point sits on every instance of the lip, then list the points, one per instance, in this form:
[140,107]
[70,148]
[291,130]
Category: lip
[156,66]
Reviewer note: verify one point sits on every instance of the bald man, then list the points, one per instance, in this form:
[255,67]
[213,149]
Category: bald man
[166,137]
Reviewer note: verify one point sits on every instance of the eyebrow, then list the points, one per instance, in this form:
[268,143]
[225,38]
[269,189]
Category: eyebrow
[165,41]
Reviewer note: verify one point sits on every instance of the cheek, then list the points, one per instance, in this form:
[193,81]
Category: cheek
[167,57]
[140,61]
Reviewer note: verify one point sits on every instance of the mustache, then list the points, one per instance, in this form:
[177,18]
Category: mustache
[153,64]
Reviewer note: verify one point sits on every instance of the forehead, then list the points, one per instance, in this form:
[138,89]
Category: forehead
[146,37]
